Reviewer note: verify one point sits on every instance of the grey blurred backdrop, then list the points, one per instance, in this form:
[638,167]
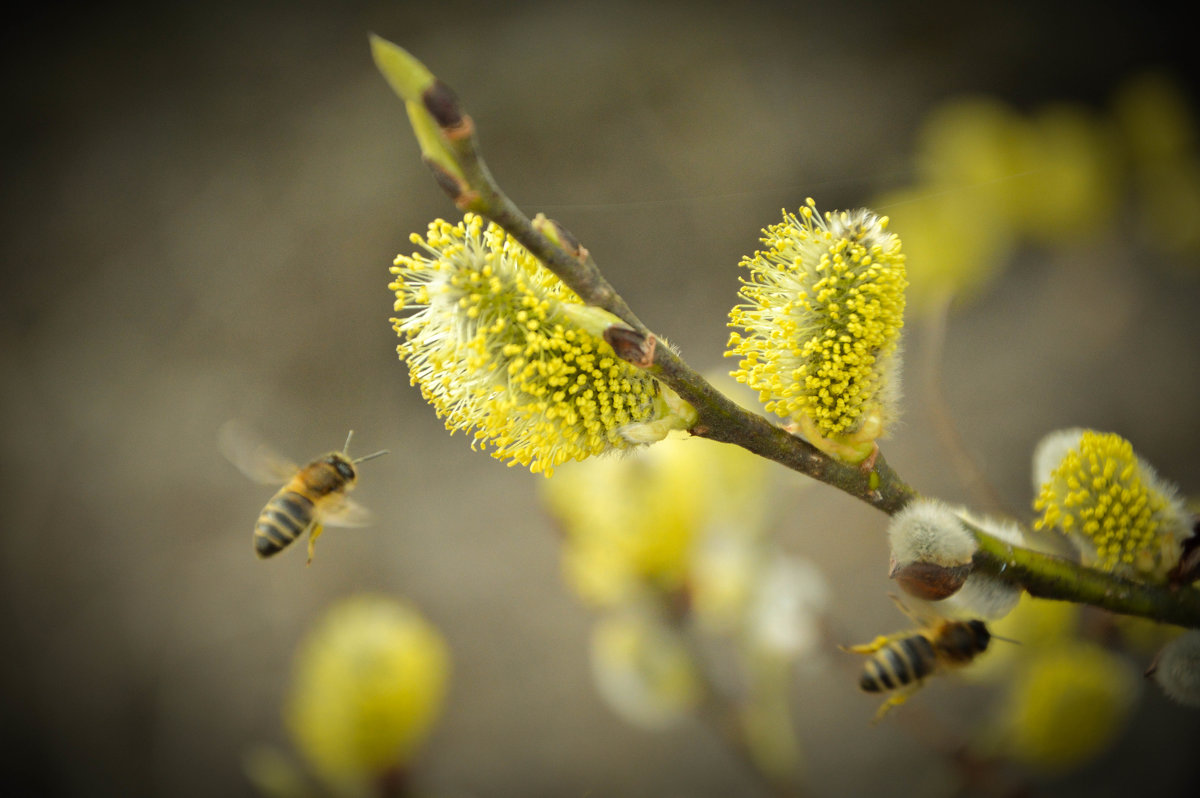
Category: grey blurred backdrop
[200,206]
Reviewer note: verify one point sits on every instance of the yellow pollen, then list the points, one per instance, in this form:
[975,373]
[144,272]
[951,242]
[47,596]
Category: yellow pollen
[535,390]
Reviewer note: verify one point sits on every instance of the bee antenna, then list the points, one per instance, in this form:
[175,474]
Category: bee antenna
[346,448]
[994,637]
[372,456]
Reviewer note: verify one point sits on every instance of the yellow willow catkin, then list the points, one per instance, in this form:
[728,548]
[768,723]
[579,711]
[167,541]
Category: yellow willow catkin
[822,319]
[368,684]
[499,345]
[1112,506]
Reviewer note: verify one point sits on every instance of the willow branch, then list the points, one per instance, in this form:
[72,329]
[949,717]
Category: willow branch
[1049,577]
[450,149]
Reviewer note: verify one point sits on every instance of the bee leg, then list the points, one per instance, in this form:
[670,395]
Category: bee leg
[904,608]
[312,540]
[868,648]
[895,700]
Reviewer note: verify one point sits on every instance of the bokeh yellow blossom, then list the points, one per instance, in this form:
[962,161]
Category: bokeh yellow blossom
[1170,210]
[988,178]
[1048,175]
[974,144]
[367,686]
[670,543]
[1157,124]
[1156,120]
[824,306]
[954,242]
[499,345]
[644,669]
[1068,184]
[1066,705]
[634,523]
[1119,514]
[1030,626]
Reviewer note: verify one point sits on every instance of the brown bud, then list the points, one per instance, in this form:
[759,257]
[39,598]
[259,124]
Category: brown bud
[442,105]
[446,180]
[631,346]
[930,581]
[1187,570]
[561,236]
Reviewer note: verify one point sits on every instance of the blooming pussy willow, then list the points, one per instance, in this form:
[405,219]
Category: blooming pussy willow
[1177,669]
[368,685]
[637,524]
[822,319]
[1120,515]
[498,344]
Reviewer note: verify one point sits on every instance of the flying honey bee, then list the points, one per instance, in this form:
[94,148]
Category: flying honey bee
[901,662]
[312,496]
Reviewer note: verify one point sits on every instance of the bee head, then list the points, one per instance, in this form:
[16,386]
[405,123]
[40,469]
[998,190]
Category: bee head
[343,466]
[980,633]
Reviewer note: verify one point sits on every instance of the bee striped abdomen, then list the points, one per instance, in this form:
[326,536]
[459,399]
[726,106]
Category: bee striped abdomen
[284,519]
[900,662]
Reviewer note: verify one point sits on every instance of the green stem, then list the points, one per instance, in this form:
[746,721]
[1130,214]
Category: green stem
[1049,577]
[722,419]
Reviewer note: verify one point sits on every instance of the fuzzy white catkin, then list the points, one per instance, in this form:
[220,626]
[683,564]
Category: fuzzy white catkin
[1178,669]
[1049,453]
[929,531]
[1001,529]
[982,596]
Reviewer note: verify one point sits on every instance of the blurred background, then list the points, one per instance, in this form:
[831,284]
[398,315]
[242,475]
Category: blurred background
[200,206]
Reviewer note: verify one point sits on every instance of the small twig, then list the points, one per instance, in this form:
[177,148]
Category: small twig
[1049,577]
[470,184]
[721,419]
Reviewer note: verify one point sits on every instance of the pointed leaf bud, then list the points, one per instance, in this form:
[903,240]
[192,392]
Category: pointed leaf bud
[432,109]
[560,236]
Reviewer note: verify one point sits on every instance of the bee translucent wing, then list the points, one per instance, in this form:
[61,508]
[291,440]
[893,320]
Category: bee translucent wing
[921,612]
[346,512]
[252,456]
